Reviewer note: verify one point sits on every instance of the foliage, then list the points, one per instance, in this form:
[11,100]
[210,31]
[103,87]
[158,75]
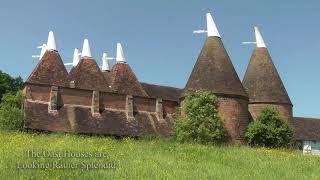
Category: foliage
[199,120]
[11,114]
[269,130]
[151,159]
[9,84]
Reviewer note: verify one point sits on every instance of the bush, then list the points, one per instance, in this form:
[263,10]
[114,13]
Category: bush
[9,84]
[199,120]
[11,114]
[269,130]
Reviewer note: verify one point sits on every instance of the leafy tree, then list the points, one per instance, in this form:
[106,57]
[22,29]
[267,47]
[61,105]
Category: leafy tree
[9,84]
[269,130]
[199,120]
[11,114]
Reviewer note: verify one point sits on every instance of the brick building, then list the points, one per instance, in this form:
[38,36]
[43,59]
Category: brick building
[90,100]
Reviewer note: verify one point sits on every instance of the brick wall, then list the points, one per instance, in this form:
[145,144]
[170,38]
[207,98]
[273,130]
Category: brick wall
[37,93]
[234,112]
[76,112]
[144,104]
[74,96]
[285,110]
[113,101]
[169,107]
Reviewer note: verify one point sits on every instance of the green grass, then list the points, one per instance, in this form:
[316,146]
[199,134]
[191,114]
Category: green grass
[151,159]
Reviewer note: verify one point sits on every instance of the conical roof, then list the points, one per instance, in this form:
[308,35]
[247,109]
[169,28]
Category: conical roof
[107,76]
[87,75]
[214,71]
[262,80]
[124,81]
[50,70]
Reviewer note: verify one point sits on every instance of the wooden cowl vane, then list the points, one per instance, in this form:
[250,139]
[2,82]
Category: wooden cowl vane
[263,83]
[214,72]
[87,74]
[105,67]
[50,69]
[122,78]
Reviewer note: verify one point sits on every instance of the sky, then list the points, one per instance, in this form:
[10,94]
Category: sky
[158,41]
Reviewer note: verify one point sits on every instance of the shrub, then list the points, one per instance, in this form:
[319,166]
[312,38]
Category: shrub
[269,130]
[9,84]
[199,120]
[11,114]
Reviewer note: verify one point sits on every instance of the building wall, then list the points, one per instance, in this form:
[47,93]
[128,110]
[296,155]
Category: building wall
[76,112]
[285,110]
[144,104]
[169,107]
[311,147]
[234,111]
[37,93]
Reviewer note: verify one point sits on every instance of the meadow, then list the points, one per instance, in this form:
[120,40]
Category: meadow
[66,156]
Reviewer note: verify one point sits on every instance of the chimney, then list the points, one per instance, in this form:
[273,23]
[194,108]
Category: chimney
[86,52]
[120,55]
[51,44]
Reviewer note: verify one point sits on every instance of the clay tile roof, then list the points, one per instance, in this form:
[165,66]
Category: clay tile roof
[262,80]
[163,92]
[107,76]
[214,71]
[306,128]
[124,81]
[50,70]
[87,75]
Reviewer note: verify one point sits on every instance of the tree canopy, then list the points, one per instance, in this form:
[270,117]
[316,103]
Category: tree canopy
[199,120]
[269,130]
[9,84]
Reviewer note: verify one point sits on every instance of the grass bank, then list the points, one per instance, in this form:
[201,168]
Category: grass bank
[109,158]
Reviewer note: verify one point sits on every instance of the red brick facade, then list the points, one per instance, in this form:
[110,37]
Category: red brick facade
[234,113]
[73,112]
[285,110]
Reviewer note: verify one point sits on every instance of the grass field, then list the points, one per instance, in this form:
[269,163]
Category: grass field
[144,159]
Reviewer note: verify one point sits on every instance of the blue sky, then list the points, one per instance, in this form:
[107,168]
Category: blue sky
[158,41]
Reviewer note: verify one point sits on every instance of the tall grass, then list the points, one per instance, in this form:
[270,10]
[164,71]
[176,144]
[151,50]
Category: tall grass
[151,159]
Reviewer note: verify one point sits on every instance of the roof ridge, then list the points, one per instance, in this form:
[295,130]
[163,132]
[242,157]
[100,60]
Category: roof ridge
[307,118]
[160,85]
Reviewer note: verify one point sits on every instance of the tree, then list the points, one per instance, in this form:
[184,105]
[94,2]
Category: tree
[11,114]
[269,130]
[9,84]
[199,120]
